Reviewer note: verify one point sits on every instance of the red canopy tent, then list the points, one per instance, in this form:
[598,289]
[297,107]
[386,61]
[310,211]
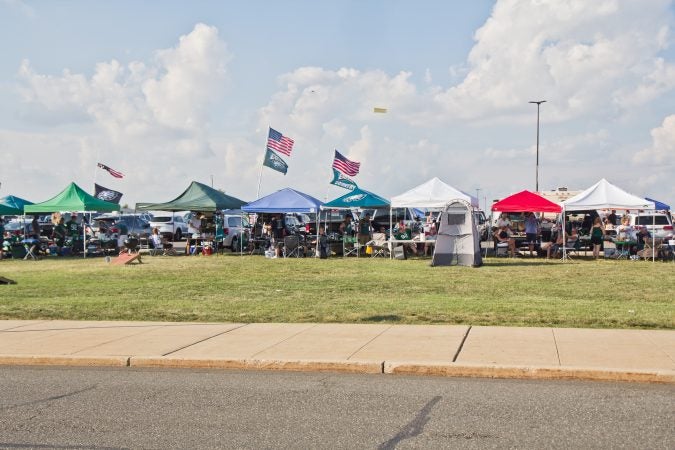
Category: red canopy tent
[526,201]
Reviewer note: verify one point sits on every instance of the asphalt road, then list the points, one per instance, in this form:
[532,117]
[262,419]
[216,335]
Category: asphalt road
[128,408]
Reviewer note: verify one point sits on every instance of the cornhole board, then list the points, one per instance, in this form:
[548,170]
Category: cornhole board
[4,280]
[127,258]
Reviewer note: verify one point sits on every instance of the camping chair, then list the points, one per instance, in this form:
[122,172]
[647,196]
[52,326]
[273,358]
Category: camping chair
[350,246]
[379,246]
[572,245]
[291,246]
[32,249]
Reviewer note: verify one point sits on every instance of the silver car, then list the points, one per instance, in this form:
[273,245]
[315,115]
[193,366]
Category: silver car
[235,227]
[171,226]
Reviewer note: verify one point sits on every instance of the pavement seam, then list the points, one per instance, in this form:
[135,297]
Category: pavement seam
[461,344]
[374,337]
[20,326]
[283,340]
[555,342]
[205,339]
[116,339]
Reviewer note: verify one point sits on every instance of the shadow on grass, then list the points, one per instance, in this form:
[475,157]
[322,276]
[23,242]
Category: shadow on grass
[382,318]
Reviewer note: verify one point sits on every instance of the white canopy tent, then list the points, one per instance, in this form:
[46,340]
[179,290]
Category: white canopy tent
[432,194]
[604,195]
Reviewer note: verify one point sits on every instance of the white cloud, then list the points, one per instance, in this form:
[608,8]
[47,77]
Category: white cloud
[173,92]
[576,54]
[662,150]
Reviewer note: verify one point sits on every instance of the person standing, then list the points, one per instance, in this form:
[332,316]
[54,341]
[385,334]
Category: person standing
[364,235]
[2,238]
[73,230]
[531,231]
[597,231]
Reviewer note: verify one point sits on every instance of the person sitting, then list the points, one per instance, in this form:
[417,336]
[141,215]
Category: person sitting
[556,246]
[504,234]
[158,243]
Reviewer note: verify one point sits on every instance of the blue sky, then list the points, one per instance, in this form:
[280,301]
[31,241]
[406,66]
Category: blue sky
[170,92]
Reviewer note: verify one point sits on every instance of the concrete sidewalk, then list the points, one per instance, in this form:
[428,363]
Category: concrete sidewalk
[446,350]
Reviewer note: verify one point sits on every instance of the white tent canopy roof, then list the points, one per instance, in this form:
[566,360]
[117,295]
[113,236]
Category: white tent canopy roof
[604,195]
[432,194]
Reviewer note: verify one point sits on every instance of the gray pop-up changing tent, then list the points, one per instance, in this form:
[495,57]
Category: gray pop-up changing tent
[457,242]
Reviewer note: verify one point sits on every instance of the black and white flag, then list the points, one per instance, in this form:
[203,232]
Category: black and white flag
[103,193]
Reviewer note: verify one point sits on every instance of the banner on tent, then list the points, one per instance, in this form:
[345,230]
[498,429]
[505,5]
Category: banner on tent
[339,179]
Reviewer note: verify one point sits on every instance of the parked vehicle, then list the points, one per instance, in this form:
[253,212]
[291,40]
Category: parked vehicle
[235,227]
[659,225]
[171,226]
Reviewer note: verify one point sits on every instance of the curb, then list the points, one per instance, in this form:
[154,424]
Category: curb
[531,373]
[364,367]
[64,360]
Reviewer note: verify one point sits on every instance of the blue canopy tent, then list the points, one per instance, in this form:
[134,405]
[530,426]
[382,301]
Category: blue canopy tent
[659,206]
[284,201]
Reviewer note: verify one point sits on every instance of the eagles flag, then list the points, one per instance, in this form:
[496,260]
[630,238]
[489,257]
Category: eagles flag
[108,195]
[274,161]
[343,181]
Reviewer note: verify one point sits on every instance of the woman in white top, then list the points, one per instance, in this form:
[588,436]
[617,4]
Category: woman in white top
[503,221]
[194,225]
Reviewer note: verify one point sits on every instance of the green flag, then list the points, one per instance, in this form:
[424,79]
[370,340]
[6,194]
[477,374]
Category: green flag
[273,161]
[339,179]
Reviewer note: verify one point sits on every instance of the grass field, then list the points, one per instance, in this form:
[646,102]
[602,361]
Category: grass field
[230,288]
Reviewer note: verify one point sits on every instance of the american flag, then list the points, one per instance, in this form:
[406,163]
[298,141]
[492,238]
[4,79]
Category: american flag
[280,143]
[112,172]
[345,166]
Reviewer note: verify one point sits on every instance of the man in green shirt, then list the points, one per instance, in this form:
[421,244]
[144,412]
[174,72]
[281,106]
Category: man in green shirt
[73,230]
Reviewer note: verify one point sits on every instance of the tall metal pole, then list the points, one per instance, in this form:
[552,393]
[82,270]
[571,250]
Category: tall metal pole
[536,171]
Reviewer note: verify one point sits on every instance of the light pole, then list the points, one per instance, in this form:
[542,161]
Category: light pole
[536,170]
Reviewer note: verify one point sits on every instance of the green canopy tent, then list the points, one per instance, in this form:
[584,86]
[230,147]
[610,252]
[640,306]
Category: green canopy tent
[197,197]
[72,199]
[11,205]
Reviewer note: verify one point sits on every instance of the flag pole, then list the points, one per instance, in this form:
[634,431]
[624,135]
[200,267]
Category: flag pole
[257,194]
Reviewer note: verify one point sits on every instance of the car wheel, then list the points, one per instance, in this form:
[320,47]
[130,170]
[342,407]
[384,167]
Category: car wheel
[234,245]
[179,235]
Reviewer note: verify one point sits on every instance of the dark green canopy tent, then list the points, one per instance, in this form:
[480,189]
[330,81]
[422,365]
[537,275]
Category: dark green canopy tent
[72,199]
[12,205]
[197,197]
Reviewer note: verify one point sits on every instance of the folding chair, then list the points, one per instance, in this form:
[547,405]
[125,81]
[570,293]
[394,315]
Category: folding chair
[571,246]
[379,246]
[291,246]
[350,246]
[32,249]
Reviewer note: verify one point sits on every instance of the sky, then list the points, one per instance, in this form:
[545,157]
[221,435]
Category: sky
[172,92]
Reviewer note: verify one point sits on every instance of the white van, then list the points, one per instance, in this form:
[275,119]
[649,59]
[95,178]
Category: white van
[658,224]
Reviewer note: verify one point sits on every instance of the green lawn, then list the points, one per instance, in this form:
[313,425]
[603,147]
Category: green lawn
[230,288]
